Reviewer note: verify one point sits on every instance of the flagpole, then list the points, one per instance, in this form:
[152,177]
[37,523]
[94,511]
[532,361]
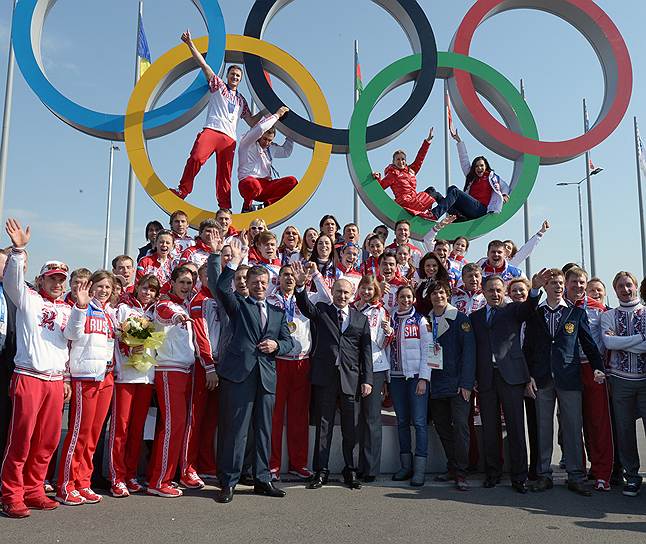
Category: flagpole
[640,196]
[356,99]
[108,208]
[586,128]
[130,206]
[447,143]
[528,262]
[6,119]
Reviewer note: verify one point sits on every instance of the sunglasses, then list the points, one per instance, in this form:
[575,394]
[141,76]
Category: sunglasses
[55,266]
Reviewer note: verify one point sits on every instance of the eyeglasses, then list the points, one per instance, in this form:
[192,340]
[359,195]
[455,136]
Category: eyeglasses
[257,228]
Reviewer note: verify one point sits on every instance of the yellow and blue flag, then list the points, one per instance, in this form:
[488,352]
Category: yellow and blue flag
[143,52]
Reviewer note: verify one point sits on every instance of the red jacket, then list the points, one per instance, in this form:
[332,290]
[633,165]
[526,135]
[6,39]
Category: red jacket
[404,184]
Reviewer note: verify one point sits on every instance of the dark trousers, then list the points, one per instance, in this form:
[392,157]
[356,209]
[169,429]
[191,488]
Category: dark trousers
[370,428]
[511,399]
[530,416]
[458,202]
[239,403]
[325,398]
[451,420]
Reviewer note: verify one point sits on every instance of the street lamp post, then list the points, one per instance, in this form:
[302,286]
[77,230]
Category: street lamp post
[106,241]
[578,189]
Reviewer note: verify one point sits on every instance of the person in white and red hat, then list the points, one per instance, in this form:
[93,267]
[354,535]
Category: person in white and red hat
[37,388]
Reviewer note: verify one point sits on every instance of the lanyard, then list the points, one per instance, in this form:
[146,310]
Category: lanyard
[290,308]
[434,328]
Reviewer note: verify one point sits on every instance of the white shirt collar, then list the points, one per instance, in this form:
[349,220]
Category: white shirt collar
[562,303]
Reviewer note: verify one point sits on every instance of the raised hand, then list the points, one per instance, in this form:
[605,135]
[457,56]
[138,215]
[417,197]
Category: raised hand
[282,111]
[541,278]
[455,135]
[446,221]
[430,134]
[236,251]
[301,275]
[19,237]
[83,294]
[186,37]
[544,226]
[216,243]
[376,175]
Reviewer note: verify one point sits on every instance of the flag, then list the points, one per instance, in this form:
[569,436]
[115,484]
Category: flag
[640,154]
[143,52]
[591,165]
[358,84]
[449,114]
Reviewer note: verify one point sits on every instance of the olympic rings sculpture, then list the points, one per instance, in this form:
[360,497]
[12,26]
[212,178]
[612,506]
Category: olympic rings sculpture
[516,139]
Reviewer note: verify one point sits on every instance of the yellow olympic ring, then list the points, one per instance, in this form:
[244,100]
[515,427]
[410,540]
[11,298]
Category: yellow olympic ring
[279,63]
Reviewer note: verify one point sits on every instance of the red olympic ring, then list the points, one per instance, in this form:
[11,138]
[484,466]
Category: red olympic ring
[571,11]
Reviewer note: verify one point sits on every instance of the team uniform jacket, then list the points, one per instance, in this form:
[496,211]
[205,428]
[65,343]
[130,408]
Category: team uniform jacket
[352,275]
[403,182]
[409,353]
[225,107]
[206,324]
[389,300]
[329,274]
[92,346]
[302,336]
[498,185]
[466,302]
[415,252]
[507,272]
[594,310]
[255,161]
[152,265]
[370,266]
[376,314]
[177,353]
[197,254]
[181,244]
[41,325]
[627,346]
[130,307]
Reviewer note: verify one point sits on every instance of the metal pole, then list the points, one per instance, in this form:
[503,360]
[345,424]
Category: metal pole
[130,206]
[447,144]
[578,189]
[6,120]
[355,200]
[528,262]
[641,197]
[593,263]
[108,208]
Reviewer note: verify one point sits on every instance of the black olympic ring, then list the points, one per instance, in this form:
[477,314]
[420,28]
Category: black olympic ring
[411,17]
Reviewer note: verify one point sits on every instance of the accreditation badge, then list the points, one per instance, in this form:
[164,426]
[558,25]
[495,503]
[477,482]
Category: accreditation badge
[569,327]
[435,357]
[292,327]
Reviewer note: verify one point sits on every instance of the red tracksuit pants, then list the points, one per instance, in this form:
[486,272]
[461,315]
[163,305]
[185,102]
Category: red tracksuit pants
[211,141]
[88,409]
[198,450]
[173,394]
[292,398]
[597,425]
[265,190]
[34,432]
[130,403]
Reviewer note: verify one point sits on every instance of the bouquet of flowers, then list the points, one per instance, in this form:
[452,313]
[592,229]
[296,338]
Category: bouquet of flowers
[139,331]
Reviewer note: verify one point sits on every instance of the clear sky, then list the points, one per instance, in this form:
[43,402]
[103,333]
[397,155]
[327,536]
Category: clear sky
[57,176]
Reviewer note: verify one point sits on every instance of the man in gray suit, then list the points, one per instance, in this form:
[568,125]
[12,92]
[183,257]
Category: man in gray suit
[502,374]
[248,376]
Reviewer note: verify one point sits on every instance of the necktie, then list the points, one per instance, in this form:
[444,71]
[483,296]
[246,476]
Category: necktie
[263,315]
[340,319]
[492,313]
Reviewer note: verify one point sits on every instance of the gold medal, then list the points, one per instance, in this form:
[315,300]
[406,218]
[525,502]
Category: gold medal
[291,326]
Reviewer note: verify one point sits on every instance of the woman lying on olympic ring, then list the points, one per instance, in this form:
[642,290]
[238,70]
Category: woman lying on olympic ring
[484,191]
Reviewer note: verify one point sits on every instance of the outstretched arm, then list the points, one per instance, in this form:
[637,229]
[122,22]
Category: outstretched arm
[527,248]
[429,239]
[201,61]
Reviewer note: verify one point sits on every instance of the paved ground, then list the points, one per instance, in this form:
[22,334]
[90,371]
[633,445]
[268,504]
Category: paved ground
[379,513]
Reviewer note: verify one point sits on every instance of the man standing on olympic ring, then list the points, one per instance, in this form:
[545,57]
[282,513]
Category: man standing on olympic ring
[226,106]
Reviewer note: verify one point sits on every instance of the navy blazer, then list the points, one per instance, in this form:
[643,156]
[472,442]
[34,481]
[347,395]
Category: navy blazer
[242,354]
[458,359]
[558,357]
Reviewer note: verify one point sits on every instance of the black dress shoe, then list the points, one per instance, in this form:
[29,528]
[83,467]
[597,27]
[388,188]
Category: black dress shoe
[368,479]
[268,489]
[520,487]
[491,481]
[543,484]
[225,495]
[579,488]
[245,479]
[319,479]
[350,478]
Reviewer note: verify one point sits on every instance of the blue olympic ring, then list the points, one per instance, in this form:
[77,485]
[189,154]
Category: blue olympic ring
[28,20]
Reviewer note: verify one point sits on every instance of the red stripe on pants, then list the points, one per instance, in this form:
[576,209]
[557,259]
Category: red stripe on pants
[34,432]
[597,426]
[292,392]
[211,141]
[265,190]
[199,438]
[129,411]
[88,409]
[173,391]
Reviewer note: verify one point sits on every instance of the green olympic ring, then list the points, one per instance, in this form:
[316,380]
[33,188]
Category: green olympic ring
[489,82]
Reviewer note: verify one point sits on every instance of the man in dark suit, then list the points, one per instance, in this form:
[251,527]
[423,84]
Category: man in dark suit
[248,376]
[501,373]
[341,371]
[552,338]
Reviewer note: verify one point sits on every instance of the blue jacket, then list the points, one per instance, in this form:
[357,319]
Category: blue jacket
[458,354]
